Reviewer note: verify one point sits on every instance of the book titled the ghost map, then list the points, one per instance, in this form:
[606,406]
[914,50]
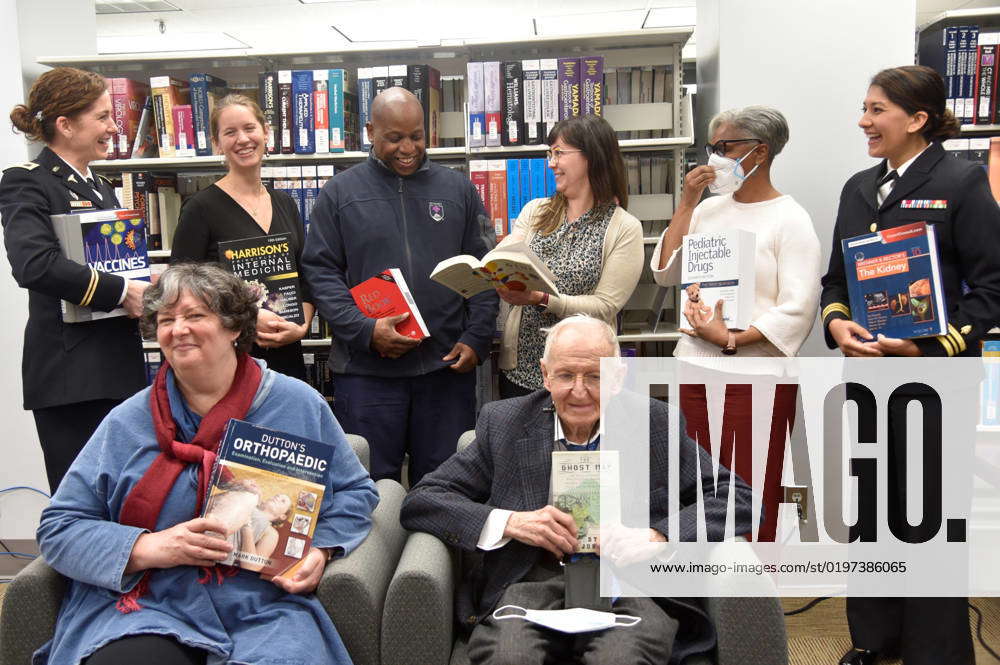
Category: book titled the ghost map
[267,264]
[513,265]
[111,241]
[267,487]
[576,490]
[894,282]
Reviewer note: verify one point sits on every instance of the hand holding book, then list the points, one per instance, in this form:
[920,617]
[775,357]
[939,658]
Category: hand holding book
[387,342]
[307,576]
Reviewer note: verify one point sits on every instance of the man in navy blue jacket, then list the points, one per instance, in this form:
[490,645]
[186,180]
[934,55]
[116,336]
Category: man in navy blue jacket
[399,210]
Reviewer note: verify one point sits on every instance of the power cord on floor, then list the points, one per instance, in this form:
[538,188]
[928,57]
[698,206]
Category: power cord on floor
[808,606]
[979,632]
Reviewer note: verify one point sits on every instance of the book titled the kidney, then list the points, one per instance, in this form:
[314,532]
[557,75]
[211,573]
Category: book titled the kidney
[386,294]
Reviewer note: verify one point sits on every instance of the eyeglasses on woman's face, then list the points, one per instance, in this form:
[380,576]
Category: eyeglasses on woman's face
[721,147]
[556,154]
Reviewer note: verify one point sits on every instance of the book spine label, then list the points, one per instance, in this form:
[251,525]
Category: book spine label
[399,77]
[986,62]
[303,131]
[477,104]
[969,100]
[336,101]
[285,117]
[492,83]
[532,100]
[549,74]
[267,96]
[592,84]
[512,128]
[380,80]
[951,60]
[200,111]
[366,94]
[119,105]
[164,128]
[183,131]
[479,178]
[569,87]
[321,111]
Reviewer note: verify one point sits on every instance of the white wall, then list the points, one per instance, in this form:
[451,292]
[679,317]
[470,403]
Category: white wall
[811,59]
[27,30]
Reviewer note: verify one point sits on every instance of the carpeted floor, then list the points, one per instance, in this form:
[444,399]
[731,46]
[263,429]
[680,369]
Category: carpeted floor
[820,636]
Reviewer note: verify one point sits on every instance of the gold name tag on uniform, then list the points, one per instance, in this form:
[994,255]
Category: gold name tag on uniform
[81,204]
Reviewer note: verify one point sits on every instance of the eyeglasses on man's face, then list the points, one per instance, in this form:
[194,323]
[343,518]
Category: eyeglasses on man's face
[567,380]
[721,147]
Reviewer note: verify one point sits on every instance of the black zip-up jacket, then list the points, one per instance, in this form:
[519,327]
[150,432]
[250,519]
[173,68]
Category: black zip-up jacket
[367,219]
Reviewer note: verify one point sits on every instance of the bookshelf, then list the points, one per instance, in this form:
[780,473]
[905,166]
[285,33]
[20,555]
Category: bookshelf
[651,47]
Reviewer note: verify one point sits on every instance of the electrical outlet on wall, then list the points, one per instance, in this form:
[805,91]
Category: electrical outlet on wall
[798,495]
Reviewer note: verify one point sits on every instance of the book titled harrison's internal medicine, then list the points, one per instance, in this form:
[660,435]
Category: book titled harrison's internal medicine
[386,294]
[267,488]
[894,282]
[112,241]
[267,264]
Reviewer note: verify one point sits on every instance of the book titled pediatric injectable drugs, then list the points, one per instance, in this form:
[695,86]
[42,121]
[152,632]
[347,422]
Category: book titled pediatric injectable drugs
[267,488]
[387,294]
[514,266]
[577,479]
[111,241]
[894,282]
[267,263]
[719,266]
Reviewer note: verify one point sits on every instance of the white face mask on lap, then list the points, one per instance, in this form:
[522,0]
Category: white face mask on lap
[729,174]
[574,620]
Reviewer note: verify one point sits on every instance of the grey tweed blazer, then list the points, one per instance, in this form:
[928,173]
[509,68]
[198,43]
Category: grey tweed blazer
[508,466]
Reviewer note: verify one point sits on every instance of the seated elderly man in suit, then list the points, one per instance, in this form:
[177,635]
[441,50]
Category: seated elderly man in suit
[493,499]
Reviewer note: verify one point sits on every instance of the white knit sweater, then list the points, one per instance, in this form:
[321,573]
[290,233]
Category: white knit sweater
[788,271]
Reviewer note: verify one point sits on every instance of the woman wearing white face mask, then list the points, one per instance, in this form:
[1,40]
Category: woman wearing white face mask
[787,269]
[744,145]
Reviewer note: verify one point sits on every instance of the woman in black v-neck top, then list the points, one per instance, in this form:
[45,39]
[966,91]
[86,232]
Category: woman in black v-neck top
[225,212]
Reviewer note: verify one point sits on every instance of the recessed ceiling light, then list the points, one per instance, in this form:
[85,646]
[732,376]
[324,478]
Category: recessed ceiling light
[133,6]
[168,43]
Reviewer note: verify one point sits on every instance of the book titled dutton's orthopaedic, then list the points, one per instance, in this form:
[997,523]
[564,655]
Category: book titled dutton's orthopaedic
[894,281]
[112,241]
[267,488]
[267,264]
[386,294]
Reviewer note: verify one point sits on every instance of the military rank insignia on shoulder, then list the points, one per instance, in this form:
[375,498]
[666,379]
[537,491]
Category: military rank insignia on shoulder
[23,165]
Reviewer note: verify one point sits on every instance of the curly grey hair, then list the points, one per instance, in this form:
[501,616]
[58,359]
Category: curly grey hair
[225,294]
[764,123]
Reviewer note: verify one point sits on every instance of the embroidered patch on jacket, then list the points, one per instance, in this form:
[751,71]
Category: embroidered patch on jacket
[928,204]
[436,211]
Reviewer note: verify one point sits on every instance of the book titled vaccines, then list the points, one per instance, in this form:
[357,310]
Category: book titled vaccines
[267,488]
[111,241]
[514,266]
[386,294]
[267,264]
[719,266]
[894,282]
[576,484]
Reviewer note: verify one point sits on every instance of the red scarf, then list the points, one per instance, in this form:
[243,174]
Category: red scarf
[143,504]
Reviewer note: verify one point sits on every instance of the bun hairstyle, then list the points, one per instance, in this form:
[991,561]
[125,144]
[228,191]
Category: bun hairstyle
[63,91]
[918,88]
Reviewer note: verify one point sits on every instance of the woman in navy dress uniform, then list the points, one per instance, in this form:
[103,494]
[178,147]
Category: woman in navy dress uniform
[73,374]
[904,119]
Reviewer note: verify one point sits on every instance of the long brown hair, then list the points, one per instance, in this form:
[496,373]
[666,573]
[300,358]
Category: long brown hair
[63,91]
[917,88]
[594,137]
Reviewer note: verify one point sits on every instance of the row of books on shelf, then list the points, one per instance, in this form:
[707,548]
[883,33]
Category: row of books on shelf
[319,111]
[967,59]
[506,185]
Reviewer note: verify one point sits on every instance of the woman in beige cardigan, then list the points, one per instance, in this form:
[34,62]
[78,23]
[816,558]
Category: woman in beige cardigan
[585,237]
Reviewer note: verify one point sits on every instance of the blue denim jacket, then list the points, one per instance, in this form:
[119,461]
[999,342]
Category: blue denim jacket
[244,619]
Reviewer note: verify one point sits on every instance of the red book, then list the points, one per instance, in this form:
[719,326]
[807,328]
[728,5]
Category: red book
[497,191]
[480,180]
[386,294]
[127,98]
[183,131]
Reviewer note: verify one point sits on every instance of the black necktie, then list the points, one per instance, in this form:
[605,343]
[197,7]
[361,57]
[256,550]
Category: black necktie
[888,177]
[93,186]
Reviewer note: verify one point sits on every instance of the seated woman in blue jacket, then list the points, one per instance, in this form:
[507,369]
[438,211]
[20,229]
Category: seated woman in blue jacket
[124,527]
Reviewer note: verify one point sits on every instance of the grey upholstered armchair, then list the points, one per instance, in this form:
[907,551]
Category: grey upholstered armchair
[418,624]
[352,589]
